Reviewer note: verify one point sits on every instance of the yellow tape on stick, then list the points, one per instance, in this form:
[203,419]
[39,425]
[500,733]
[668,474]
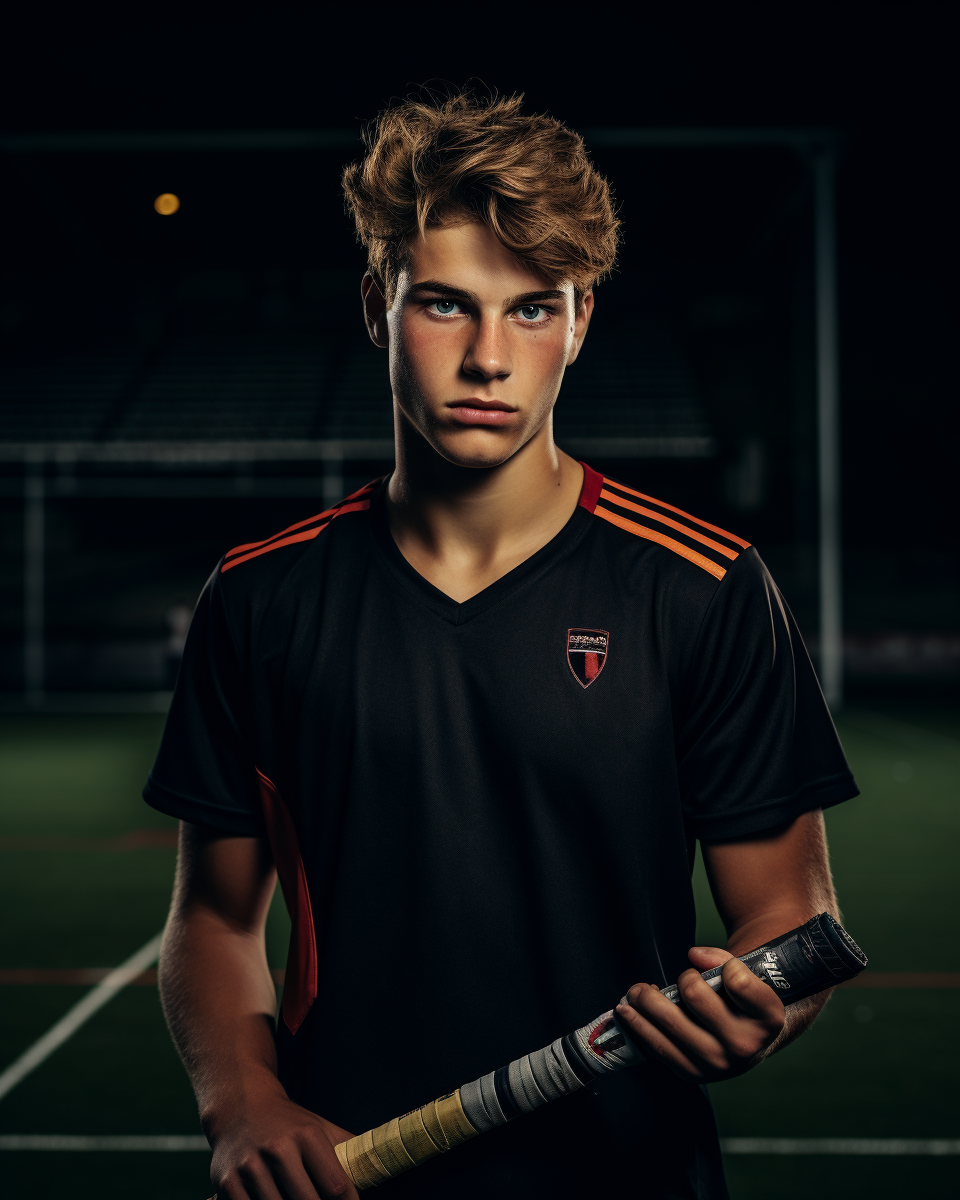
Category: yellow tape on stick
[363,1163]
[453,1120]
[389,1148]
[416,1140]
[431,1123]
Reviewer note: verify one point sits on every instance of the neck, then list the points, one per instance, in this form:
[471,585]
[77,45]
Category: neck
[464,527]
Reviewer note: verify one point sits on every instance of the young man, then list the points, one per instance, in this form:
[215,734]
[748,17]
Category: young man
[476,716]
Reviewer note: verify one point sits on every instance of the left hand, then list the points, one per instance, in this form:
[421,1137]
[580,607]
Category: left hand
[709,1036]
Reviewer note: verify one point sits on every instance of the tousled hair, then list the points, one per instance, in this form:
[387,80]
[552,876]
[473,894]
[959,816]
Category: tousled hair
[528,178]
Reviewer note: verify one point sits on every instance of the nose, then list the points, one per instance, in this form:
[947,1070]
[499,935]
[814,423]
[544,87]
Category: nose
[488,355]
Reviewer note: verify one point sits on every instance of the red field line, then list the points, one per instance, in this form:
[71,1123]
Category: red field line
[905,979]
[70,976]
[136,839]
[81,976]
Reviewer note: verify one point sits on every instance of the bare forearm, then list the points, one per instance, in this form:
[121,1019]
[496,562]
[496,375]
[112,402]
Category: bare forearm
[755,932]
[219,1002]
[768,885]
[800,1017]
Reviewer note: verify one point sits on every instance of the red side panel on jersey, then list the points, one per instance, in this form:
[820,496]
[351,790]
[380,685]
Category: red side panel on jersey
[300,981]
[592,487]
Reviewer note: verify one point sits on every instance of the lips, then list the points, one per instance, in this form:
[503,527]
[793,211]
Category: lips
[481,412]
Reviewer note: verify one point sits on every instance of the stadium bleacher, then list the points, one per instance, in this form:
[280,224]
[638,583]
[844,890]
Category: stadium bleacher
[284,389]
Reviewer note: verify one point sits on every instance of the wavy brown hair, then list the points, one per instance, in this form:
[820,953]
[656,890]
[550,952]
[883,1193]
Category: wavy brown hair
[466,158]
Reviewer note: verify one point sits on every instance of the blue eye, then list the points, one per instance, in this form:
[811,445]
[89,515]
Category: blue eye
[530,312]
[445,307]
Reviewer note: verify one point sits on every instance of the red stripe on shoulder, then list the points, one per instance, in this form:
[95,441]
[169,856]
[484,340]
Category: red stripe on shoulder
[591,489]
[275,536]
[304,536]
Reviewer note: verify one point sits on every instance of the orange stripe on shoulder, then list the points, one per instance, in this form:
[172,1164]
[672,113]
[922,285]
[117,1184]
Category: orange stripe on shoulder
[305,535]
[323,516]
[653,536]
[680,513]
[648,512]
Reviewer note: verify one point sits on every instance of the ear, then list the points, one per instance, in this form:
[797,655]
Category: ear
[374,310]
[581,324]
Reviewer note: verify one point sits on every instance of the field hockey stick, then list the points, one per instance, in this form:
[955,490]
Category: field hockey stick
[807,960]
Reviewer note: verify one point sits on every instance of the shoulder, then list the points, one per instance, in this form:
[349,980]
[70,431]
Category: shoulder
[694,547]
[256,561]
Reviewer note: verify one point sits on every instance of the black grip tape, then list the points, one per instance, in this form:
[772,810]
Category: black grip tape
[807,960]
[501,1085]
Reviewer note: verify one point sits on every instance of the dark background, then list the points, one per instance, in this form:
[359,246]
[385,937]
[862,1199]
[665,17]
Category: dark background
[717,255]
[717,249]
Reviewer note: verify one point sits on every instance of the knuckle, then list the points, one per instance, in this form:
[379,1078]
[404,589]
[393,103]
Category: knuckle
[645,994]
[687,983]
[228,1182]
[716,1060]
[739,980]
[743,1047]
[277,1148]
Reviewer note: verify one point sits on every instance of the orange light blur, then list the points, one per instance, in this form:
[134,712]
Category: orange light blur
[166,204]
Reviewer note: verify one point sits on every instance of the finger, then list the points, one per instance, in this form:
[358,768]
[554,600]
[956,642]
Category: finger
[228,1186]
[231,1187]
[296,1183]
[741,1035]
[751,995]
[258,1180]
[656,1044]
[705,958]
[693,1040]
[661,1011]
[323,1167]
[705,1004]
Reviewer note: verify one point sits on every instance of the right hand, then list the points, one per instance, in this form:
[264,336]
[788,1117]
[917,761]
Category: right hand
[273,1148]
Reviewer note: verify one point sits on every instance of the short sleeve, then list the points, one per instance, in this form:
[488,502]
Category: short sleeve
[756,743]
[205,772]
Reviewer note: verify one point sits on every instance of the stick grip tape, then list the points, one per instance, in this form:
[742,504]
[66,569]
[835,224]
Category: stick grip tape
[807,960]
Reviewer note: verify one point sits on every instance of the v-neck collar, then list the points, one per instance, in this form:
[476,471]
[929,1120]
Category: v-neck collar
[524,573]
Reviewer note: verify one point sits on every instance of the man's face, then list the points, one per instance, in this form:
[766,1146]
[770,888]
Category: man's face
[478,344]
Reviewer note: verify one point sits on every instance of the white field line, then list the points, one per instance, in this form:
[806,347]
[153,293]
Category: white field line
[744,1145]
[82,1011]
[866,1146]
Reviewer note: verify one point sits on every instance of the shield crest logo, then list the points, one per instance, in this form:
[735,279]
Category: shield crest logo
[586,653]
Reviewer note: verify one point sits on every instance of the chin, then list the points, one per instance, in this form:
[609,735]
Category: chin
[477,450]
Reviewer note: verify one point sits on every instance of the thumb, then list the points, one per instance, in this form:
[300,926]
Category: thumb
[704,958]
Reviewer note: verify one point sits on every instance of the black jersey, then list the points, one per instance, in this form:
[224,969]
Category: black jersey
[484,814]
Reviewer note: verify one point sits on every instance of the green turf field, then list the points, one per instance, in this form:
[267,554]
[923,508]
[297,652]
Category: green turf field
[881,1062]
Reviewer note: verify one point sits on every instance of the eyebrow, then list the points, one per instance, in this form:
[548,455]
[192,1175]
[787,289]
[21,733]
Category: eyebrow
[455,293]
